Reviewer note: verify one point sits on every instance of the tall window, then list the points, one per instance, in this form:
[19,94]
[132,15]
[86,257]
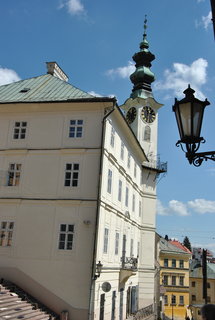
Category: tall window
[133,202]
[135,169]
[76,129]
[126,196]
[193,284]
[117,243]
[120,191]
[129,160]
[165,280]
[173,299]
[173,263]
[109,182]
[112,137]
[19,130]
[166,299]
[66,235]
[132,248]
[6,233]
[71,175]
[14,173]
[140,208]
[147,134]
[138,248]
[173,280]
[181,280]
[105,245]
[181,300]
[122,151]
[165,262]
[181,263]
[193,297]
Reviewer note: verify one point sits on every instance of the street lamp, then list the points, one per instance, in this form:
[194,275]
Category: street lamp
[99,266]
[189,115]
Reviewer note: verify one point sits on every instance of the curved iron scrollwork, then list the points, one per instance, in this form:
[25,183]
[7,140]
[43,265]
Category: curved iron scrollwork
[196,158]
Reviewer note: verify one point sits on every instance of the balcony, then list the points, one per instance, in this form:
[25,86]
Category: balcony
[128,268]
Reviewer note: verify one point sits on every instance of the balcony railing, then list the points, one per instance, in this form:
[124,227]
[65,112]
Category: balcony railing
[143,313]
[129,263]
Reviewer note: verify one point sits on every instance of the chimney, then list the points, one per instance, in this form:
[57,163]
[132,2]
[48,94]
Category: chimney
[54,69]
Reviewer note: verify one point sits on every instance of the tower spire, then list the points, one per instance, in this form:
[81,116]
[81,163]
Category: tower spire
[142,76]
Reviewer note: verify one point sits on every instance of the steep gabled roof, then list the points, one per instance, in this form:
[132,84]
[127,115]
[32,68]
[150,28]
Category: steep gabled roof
[168,247]
[41,89]
[180,245]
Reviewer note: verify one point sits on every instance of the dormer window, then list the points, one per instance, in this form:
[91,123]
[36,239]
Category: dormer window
[25,90]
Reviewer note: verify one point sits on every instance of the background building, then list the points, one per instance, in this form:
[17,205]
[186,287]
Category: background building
[196,287]
[174,277]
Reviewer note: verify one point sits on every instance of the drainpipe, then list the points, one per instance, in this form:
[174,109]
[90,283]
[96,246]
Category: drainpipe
[92,286]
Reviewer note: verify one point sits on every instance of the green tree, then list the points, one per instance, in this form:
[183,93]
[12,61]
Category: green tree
[187,243]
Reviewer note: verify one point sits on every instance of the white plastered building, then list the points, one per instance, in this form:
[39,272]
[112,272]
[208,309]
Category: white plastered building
[78,194]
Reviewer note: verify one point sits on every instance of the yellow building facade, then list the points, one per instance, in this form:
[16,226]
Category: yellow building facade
[174,279]
[196,288]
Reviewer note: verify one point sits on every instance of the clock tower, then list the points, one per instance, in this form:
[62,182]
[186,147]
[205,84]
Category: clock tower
[141,109]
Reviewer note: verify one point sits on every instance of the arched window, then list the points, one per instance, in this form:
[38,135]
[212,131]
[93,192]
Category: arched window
[147,134]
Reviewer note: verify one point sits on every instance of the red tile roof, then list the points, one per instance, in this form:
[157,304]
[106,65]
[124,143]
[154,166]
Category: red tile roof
[180,245]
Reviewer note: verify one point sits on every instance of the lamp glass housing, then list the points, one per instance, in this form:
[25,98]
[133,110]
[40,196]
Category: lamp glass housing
[189,115]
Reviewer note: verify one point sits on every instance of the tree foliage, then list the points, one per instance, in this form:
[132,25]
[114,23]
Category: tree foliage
[187,243]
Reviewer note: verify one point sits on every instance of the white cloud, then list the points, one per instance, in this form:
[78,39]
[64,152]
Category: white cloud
[202,206]
[122,72]
[206,20]
[161,210]
[178,208]
[174,207]
[74,7]
[181,75]
[8,76]
[93,93]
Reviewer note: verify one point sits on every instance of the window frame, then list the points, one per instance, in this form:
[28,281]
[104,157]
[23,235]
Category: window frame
[74,128]
[72,174]
[6,233]
[122,151]
[112,137]
[105,240]
[66,237]
[120,190]
[109,181]
[173,280]
[126,196]
[181,300]
[181,264]
[166,263]
[117,243]
[181,280]
[14,174]
[173,263]
[19,130]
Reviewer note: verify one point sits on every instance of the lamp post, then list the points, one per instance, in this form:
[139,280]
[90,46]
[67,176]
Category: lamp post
[172,308]
[99,266]
[189,115]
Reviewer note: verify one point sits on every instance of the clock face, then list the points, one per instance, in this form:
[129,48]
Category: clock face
[148,114]
[131,115]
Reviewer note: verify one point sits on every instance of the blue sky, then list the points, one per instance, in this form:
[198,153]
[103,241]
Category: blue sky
[93,41]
